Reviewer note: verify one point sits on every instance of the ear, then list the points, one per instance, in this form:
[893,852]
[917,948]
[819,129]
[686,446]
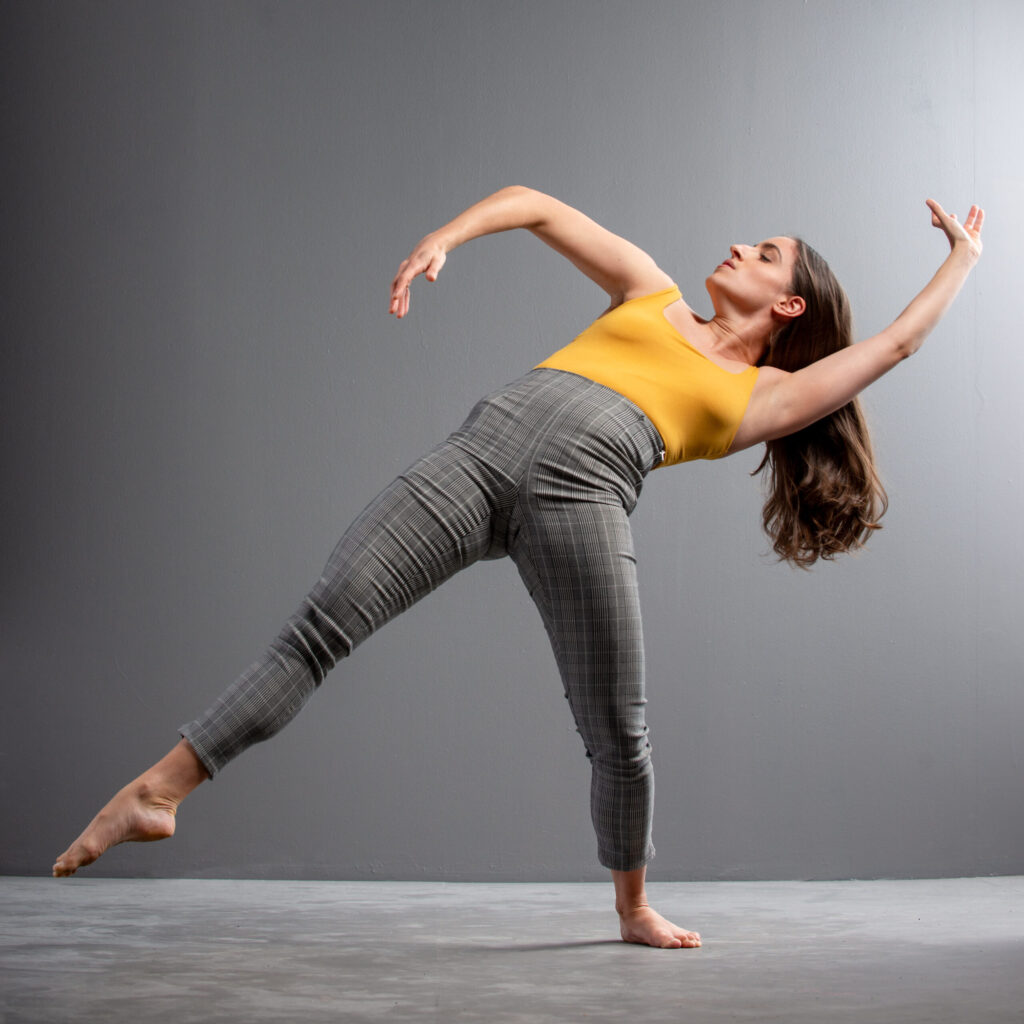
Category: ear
[789,308]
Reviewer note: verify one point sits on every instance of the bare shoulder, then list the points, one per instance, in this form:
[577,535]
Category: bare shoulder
[769,375]
[654,280]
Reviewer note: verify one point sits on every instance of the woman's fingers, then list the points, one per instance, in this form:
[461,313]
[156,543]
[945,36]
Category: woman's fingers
[975,219]
[968,233]
[399,286]
[946,221]
[403,300]
[424,259]
[435,266]
[939,215]
[975,216]
[400,293]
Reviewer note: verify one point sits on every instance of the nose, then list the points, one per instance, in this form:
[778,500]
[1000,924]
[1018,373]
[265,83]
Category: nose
[739,251]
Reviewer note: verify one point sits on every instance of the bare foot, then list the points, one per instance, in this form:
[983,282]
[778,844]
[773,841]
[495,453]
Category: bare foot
[142,812]
[649,928]
[137,814]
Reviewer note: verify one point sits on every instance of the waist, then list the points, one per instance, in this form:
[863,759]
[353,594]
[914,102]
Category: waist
[695,404]
[550,407]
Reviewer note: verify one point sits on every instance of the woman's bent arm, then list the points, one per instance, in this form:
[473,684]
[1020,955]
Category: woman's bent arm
[788,402]
[614,263]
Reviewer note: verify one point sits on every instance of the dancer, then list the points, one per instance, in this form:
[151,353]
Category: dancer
[547,471]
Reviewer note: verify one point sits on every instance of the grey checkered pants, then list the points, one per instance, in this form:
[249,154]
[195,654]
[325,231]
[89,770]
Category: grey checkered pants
[546,470]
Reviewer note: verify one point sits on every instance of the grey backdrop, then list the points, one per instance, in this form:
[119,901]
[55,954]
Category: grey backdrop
[206,203]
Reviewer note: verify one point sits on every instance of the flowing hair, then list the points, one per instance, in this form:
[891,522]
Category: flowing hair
[824,496]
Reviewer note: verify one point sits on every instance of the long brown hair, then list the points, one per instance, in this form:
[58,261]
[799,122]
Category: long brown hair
[824,496]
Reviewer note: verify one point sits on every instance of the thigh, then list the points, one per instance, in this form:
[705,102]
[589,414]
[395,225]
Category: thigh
[430,522]
[579,565]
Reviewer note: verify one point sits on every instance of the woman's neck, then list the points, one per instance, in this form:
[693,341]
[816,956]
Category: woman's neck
[742,339]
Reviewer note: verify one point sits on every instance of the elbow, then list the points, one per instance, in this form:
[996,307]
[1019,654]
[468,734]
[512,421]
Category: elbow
[518,194]
[903,345]
[518,190]
[537,207]
[904,349]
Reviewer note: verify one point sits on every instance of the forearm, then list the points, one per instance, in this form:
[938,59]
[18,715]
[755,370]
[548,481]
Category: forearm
[916,322]
[792,401]
[512,207]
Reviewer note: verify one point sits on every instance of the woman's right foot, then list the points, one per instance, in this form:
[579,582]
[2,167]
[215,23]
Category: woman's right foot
[648,928]
[137,814]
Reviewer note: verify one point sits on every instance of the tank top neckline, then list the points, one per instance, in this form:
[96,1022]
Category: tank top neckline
[682,337]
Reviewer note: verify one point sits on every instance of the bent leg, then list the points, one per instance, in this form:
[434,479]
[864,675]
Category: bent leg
[432,521]
[578,563]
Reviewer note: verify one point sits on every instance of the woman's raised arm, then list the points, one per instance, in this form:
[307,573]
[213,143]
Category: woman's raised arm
[788,402]
[617,265]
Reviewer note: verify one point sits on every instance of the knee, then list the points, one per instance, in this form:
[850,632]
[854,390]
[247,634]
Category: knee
[621,749]
[313,639]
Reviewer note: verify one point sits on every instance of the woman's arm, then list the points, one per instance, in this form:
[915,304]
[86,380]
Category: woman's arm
[788,402]
[618,266]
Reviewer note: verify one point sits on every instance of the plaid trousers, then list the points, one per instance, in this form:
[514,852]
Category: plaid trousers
[546,470]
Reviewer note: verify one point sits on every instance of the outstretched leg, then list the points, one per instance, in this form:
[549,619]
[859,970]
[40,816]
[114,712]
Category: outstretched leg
[429,523]
[432,521]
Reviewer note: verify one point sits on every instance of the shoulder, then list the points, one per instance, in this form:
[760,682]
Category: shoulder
[769,375]
[768,380]
[655,281]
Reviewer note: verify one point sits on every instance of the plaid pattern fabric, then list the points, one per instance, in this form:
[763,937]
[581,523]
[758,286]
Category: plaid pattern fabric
[546,471]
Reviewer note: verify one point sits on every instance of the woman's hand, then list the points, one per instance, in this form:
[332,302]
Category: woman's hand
[967,235]
[426,258]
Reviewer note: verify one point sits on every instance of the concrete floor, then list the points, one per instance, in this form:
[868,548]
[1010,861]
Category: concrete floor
[892,952]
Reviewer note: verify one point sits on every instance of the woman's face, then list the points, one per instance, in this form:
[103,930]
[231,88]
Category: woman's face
[754,277]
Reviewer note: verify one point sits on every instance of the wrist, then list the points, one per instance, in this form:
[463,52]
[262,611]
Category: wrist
[964,252]
[503,210]
[444,240]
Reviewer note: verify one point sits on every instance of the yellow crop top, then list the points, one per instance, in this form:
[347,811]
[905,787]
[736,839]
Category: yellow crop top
[696,405]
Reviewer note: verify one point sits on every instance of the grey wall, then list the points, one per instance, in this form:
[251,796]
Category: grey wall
[205,205]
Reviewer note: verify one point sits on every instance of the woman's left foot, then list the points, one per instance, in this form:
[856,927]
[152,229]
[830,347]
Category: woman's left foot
[647,927]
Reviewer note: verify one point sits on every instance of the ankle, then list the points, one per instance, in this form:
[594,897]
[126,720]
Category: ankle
[624,909]
[630,891]
[151,790]
[174,776]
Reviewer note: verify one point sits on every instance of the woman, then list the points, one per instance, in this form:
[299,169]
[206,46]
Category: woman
[547,471]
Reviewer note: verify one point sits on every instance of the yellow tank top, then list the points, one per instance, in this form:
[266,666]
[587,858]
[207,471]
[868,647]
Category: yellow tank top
[696,405]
